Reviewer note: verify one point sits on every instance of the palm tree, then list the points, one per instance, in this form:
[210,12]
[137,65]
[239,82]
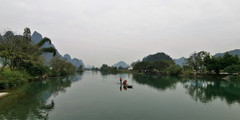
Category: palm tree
[27,35]
[48,49]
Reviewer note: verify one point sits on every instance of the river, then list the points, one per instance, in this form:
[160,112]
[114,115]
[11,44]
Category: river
[97,96]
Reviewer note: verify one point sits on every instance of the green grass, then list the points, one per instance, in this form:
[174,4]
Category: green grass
[10,78]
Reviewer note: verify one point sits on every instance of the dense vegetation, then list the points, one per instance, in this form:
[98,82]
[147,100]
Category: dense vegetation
[159,63]
[108,69]
[22,61]
[203,63]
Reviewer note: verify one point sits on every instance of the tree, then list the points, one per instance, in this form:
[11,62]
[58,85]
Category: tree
[162,66]
[213,63]
[174,70]
[18,52]
[232,69]
[227,63]
[140,66]
[229,60]
[196,60]
[107,69]
[60,67]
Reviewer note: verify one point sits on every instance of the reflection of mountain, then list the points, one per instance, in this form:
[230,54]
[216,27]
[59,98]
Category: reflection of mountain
[159,82]
[207,91]
[31,99]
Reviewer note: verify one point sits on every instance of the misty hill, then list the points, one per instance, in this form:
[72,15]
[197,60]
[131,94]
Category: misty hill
[157,57]
[122,64]
[76,62]
[36,38]
[232,52]
[180,61]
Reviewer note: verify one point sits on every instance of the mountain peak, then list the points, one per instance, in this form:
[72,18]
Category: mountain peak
[122,64]
[36,37]
[157,57]
[231,52]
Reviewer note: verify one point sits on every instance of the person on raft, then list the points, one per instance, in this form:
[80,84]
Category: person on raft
[125,82]
[120,79]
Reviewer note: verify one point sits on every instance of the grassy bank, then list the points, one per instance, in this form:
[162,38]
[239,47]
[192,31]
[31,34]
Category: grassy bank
[10,78]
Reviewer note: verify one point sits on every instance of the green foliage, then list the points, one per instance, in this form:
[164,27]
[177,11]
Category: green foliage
[80,69]
[228,60]
[9,78]
[157,57]
[232,69]
[196,60]
[60,67]
[43,41]
[17,51]
[213,63]
[174,70]
[107,69]
[227,63]
[140,66]
[153,67]
[49,50]
[38,70]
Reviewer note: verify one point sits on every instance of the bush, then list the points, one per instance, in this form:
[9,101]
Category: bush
[174,70]
[9,78]
[232,69]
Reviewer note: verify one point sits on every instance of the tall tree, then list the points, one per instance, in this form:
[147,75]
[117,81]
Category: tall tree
[196,60]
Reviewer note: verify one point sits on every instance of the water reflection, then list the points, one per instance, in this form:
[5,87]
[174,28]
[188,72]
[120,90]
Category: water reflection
[125,87]
[32,100]
[158,82]
[207,91]
[203,90]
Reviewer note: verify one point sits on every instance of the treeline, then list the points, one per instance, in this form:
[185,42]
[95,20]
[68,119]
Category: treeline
[159,63]
[108,69]
[158,67]
[198,63]
[21,60]
[204,63]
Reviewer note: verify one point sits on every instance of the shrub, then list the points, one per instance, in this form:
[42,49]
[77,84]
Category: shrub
[174,70]
[9,78]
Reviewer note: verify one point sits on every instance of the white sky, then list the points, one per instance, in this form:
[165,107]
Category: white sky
[107,31]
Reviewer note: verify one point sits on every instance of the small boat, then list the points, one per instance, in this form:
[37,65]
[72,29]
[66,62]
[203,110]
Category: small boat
[126,85]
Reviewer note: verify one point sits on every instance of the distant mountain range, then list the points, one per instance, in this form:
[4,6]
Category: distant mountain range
[76,62]
[121,64]
[232,52]
[181,61]
[36,38]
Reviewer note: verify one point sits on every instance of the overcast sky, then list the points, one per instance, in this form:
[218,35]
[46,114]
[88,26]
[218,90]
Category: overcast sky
[107,31]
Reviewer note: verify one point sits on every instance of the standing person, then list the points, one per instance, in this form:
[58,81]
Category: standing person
[125,82]
[120,79]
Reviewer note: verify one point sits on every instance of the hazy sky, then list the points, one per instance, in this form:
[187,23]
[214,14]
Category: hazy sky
[107,31]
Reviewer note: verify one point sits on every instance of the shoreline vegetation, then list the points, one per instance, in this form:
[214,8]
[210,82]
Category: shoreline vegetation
[22,62]
[200,64]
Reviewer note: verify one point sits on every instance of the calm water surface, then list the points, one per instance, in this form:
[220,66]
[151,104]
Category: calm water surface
[94,96]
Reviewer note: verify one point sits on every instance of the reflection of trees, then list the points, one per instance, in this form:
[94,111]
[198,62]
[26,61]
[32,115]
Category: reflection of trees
[108,73]
[159,82]
[207,91]
[30,101]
